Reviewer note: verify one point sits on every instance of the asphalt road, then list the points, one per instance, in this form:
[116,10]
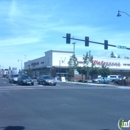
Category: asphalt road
[62,107]
[4,82]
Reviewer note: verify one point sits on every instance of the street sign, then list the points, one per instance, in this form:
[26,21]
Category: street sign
[121,47]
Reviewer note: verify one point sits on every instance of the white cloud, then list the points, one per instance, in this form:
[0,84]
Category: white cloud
[28,23]
[18,41]
[14,11]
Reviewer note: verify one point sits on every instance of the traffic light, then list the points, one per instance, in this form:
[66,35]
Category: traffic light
[68,37]
[86,41]
[106,44]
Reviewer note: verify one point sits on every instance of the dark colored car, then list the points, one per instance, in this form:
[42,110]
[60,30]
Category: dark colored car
[46,80]
[39,78]
[13,78]
[5,76]
[25,80]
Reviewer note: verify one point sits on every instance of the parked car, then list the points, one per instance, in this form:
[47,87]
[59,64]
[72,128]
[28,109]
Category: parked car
[25,79]
[101,80]
[46,80]
[5,76]
[38,78]
[115,78]
[13,78]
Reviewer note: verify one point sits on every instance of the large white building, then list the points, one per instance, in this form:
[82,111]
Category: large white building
[56,63]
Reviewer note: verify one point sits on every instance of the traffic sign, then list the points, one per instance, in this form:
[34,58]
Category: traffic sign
[121,47]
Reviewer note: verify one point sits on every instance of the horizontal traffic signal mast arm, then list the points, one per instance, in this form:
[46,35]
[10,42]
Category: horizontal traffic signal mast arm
[96,42]
[84,40]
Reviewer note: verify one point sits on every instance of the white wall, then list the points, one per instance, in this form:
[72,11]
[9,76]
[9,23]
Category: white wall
[118,63]
[59,58]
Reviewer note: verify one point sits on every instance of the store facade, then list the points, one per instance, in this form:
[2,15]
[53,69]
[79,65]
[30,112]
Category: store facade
[56,63]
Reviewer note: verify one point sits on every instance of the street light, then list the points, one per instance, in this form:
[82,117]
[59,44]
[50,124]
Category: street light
[74,55]
[21,64]
[74,47]
[119,13]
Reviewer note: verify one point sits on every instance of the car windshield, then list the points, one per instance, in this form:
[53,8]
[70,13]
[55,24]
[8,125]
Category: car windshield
[112,76]
[48,77]
[25,77]
[99,77]
[15,75]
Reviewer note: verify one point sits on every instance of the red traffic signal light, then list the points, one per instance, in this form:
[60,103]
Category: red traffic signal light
[105,44]
[86,41]
[68,37]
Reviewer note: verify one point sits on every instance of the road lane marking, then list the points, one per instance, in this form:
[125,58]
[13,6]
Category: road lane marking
[123,87]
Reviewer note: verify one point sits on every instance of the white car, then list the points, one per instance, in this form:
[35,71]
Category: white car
[115,78]
[13,78]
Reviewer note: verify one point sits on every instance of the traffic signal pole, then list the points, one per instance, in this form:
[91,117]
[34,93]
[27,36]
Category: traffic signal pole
[94,42]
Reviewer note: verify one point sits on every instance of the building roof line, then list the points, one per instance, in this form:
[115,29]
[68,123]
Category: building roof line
[59,51]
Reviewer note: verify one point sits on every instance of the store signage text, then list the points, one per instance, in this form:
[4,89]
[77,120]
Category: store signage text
[126,64]
[34,64]
[96,62]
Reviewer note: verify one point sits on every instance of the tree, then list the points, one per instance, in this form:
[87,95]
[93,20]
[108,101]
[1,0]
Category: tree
[88,60]
[29,72]
[118,56]
[81,70]
[104,71]
[73,64]
[112,55]
[94,71]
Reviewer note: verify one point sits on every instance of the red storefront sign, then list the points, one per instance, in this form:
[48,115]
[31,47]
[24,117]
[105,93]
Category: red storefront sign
[34,64]
[96,62]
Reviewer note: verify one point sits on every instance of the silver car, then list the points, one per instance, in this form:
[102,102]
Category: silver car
[46,80]
[101,80]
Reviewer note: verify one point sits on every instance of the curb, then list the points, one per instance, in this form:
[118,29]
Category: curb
[91,84]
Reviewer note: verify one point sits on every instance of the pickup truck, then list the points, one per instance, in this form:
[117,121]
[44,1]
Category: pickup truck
[115,78]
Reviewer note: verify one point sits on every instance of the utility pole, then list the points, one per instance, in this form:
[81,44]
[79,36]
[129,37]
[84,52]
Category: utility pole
[21,64]
[60,68]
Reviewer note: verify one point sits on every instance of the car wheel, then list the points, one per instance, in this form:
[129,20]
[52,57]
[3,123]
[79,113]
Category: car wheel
[21,83]
[113,81]
[32,83]
[40,82]
[98,81]
[43,83]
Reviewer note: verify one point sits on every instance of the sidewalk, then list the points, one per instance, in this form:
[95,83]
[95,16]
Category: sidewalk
[91,84]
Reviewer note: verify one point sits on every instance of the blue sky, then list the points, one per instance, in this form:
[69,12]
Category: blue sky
[28,28]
